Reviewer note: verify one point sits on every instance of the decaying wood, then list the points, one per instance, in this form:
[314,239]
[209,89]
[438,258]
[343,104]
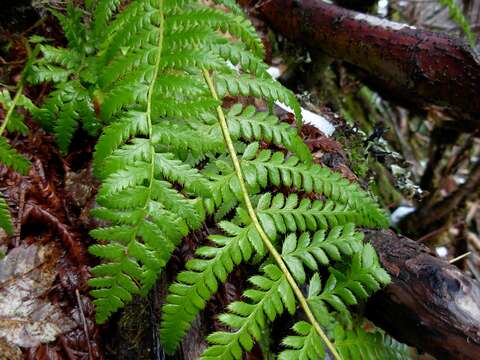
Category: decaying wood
[414,66]
[430,303]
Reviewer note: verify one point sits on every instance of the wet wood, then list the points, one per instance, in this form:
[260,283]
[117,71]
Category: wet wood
[415,67]
[430,303]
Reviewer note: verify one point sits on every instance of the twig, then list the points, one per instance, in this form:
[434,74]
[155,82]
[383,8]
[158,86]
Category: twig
[21,208]
[85,327]
[459,257]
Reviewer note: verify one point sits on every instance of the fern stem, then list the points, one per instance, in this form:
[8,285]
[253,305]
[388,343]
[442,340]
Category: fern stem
[149,104]
[10,110]
[31,57]
[251,212]
[150,93]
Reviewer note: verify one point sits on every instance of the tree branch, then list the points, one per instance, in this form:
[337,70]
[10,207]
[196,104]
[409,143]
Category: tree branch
[430,303]
[414,66]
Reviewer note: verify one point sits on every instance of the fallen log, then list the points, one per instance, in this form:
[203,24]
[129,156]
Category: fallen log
[415,67]
[430,303]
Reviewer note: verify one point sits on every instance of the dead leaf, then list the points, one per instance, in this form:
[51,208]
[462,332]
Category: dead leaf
[27,317]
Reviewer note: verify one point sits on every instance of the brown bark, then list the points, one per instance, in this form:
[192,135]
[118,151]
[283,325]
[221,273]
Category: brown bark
[430,303]
[414,66]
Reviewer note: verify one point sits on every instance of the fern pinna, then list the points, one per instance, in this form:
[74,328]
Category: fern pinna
[14,122]
[153,74]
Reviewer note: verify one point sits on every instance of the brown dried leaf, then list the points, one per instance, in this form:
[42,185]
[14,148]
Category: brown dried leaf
[27,318]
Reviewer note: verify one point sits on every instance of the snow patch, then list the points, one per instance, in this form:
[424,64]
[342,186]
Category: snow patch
[441,251]
[319,121]
[316,120]
[400,213]
[274,72]
[384,23]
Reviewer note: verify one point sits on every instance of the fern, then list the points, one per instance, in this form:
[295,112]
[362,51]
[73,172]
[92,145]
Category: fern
[154,76]
[72,71]
[273,293]
[456,14]
[270,297]
[359,344]
[14,122]
[5,219]
[355,344]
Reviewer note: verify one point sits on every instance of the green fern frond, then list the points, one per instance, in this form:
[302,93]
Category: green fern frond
[307,252]
[5,218]
[67,58]
[15,121]
[270,297]
[456,14]
[194,142]
[249,124]
[305,345]
[216,19]
[103,13]
[72,26]
[359,344]
[11,158]
[67,123]
[350,285]
[231,5]
[196,285]
[268,89]
[49,73]
[283,214]
[272,168]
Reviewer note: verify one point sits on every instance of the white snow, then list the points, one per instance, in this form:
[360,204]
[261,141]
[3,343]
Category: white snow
[309,117]
[400,213]
[441,251]
[384,23]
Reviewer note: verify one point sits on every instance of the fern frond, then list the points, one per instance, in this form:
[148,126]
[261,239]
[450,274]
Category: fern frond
[283,214]
[304,251]
[5,218]
[272,168]
[49,73]
[347,287]
[15,121]
[270,297]
[250,125]
[67,58]
[157,73]
[199,282]
[182,173]
[72,26]
[358,344]
[267,88]
[11,158]
[456,14]
[193,141]
[231,5]
[305,345]
[103,13]
[218,20]
[67,123]
[131,123]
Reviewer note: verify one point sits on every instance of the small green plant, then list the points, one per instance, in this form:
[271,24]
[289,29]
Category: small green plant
[152,76]
[14,122]
[456,14]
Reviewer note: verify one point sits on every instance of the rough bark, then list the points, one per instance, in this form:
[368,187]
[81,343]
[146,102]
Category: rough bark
[414,66]
[430,303]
